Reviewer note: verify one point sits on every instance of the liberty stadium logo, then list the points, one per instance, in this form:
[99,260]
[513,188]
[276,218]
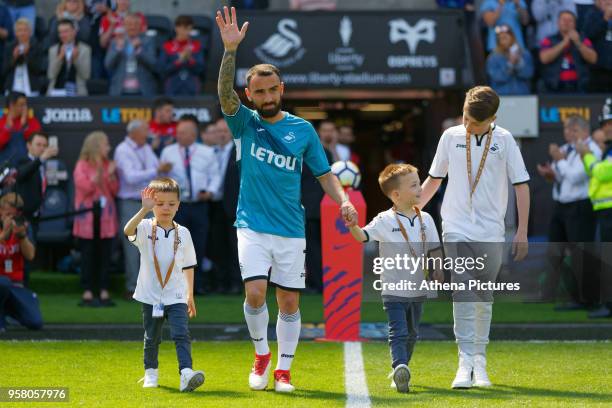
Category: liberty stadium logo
[283,48]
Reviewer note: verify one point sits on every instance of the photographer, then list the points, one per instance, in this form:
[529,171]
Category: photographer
[16,247]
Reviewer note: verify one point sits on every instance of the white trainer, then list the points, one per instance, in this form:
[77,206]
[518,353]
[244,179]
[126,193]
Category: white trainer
[150,378]
[463,378]
[282,381]
[481,379]
[400,378]
[260,373]
[190,379]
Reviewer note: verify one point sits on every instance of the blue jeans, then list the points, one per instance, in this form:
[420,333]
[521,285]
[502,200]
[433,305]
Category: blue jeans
[27,12]
[404,319]
[19,303]
[179,332]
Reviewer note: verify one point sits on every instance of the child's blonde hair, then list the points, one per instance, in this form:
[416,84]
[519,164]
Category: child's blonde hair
[165,185]
[388,179]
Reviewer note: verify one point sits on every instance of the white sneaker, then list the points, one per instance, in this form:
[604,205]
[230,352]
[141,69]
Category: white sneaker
[463,378]
[150,378]
[190,380]
[481,379]
[258,378]
[400,378]
[282,381]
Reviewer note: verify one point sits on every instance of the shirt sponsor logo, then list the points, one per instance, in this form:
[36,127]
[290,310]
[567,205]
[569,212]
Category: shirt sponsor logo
[268,156]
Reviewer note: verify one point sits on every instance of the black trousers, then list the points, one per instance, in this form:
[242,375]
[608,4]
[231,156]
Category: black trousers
[573,227]
[95,263]
[314,261]
[222,250]
[604,219]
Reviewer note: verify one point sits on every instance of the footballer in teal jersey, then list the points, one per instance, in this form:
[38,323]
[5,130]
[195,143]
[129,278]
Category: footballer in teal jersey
[272,146]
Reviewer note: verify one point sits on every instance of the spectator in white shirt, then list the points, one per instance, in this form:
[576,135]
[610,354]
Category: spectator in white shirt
[137,165]
[195,168]
[573,219]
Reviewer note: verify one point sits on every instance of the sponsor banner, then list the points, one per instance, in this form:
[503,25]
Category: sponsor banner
[342,270]
[554,109]
[72,119]
[110,113]
[354,49]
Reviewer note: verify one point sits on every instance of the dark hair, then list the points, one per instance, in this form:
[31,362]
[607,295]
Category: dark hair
[261,70]
[570,12]
[162,101]
[324,121]
[39,134]
[481,103]
[183,21]
[188,117]
[66,21]
[13,97]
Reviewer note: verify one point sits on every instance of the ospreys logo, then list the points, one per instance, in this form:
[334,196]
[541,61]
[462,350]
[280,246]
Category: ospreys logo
[423,30]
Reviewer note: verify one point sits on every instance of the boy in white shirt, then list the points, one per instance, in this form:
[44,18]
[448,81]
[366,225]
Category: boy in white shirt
[402,230]
[165,248]
[479,158]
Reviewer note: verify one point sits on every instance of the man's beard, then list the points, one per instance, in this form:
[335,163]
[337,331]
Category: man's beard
[269,112]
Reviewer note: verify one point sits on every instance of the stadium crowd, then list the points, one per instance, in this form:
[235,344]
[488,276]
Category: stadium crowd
[201,159]
[106,47]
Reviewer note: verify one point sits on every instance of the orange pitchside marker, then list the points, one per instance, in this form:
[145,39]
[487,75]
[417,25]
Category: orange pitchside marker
[342,270]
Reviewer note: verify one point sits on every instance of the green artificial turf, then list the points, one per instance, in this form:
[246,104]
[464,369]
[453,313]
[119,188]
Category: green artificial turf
[60,293]
[105,374]
[525,374]
[59,308]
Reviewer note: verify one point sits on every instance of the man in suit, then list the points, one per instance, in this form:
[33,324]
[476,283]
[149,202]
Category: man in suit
[312,194]
[69,63]
[131,59]
[31,180]
[224,246]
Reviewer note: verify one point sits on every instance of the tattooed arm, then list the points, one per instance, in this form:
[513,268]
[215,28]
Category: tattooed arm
[230,102]
[231,36]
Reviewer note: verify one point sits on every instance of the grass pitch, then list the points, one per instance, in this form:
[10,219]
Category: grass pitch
[105,374]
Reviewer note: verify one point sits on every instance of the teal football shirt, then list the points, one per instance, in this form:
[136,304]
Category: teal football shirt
[271,156]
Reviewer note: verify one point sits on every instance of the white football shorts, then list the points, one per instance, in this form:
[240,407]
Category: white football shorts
[266,256]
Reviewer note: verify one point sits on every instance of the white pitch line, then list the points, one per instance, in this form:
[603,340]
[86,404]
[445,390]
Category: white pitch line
[357,395]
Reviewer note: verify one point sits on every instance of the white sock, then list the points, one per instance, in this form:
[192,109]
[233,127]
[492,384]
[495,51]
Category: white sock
[464,315]
[484,313]
[257,319]
[287,333]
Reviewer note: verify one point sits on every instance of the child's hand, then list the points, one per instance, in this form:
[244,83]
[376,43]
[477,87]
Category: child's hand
[148,198]
[191,309]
